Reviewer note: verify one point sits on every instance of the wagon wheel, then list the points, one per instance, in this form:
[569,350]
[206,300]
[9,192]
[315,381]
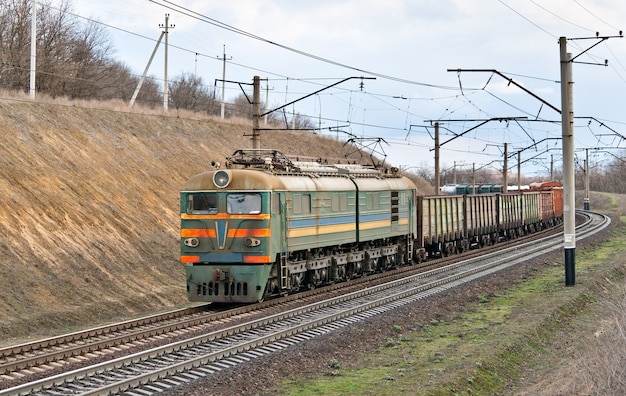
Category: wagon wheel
[460,247]
[444,251]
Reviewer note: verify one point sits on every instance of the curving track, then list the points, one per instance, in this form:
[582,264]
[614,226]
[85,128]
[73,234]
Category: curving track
[238,336]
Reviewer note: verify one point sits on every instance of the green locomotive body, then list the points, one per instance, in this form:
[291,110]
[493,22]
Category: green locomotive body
[276,226]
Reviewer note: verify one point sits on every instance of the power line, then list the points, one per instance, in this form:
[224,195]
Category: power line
[203,18]
[560,17]
[594,15]
[527,19]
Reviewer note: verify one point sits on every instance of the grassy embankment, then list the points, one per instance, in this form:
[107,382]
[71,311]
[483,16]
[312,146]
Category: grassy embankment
[536,337]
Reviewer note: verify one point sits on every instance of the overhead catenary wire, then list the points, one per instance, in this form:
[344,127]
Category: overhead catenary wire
[466,103]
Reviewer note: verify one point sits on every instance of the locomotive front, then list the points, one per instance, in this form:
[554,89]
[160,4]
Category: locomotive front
[226,228]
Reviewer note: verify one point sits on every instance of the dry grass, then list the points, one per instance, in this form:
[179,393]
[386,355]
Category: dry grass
[603,371]
[89,209]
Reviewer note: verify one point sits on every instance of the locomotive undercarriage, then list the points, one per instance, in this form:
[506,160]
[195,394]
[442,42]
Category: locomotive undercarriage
[324,266]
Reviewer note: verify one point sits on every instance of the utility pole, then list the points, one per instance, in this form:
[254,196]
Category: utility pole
[567,131]
[33,48]
[166,98]
[223,58]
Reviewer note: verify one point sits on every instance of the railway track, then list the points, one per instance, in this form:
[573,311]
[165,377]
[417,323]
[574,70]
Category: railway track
[34,360]
[158,368]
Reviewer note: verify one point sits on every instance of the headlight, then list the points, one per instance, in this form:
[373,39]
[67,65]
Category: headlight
[221,179]
[191,242]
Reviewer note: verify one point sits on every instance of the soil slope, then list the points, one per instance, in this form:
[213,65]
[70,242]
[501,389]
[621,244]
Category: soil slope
[89,208]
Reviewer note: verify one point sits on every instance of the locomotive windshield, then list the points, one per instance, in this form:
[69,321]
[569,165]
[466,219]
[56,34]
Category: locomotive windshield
[243,203]
[202,203]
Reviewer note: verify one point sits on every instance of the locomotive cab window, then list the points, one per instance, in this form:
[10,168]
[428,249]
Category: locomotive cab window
[243,203]
[202,203]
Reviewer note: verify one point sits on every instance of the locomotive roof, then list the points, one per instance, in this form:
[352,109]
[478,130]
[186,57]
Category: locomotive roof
[260,180]
[279,163]
[264,169]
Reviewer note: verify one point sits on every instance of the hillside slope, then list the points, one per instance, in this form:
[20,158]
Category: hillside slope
[89,208]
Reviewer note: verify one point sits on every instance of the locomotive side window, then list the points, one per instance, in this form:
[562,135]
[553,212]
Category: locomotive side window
[339,202]
[301,203]
[275,203]
[202,203]
[244,203]
[372,200]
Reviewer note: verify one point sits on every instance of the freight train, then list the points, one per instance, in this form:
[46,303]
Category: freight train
[263,225]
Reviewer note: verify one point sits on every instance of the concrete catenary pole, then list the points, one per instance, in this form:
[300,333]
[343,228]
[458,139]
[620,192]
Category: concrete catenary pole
[505,171]
[33,48]
[256,113]
[519,171]
[567,125]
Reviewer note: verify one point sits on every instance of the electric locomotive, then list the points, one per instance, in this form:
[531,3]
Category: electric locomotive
[264,225]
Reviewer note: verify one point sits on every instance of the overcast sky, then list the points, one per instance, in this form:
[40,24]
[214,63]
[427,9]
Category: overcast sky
[408,46]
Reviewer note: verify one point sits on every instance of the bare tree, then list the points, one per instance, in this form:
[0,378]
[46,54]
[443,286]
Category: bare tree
[189,92]
[14,44]
[73,59]
[123,86]
[300,122]
[241,106]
